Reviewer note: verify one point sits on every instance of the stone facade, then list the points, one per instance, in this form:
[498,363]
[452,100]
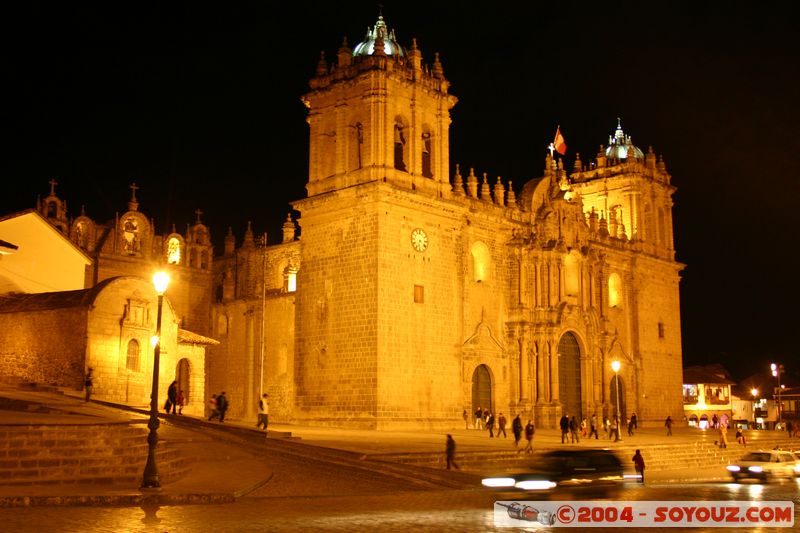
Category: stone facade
[130,246]
[419,296]
[55,337]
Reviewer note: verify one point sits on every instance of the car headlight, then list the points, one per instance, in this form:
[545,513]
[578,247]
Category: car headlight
[797,468]
[498,482]
[733,468]
[755,469]
[535,484]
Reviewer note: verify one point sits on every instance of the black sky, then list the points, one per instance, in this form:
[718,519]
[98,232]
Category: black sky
[200,105]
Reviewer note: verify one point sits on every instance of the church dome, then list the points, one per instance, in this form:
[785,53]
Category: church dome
[390,45]
[619,143]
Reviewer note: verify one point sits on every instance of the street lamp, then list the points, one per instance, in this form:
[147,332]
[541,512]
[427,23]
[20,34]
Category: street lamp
[777,370]
[151,481]
[615,365]
[754,392]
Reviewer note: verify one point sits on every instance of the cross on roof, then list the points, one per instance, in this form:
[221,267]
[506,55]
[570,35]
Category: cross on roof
[133,188]
[198,213]
[53,184]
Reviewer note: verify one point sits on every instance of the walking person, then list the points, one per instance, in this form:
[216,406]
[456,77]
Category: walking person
[631,423]
[466,419]
[516,429]
[479,418]
[172,398]
[222,406]
[490,425]
[181,402]
[529,431]
[668,425]
[740,438]
[450,451]
[501,426]
[88,384]
[263,412]
[593,427]
[635,422]
[723,436]
[213,408]
[573,431]
[614,429]
[638,463]
[564,425]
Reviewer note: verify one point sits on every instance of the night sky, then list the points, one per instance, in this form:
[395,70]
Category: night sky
[200,106]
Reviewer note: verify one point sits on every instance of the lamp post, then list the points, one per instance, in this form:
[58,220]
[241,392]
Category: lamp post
[777,370]
[754,392]
[150,480]
[615,365]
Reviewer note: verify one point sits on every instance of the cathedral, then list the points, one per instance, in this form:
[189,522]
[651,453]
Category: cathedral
[412,295]
[417,290]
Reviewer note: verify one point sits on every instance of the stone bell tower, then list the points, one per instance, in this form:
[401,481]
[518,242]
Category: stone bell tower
[379,114]
[377,188]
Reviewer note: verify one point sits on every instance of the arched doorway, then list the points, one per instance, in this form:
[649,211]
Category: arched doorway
[569,375]
[182,375]
[481,389]
[613,392]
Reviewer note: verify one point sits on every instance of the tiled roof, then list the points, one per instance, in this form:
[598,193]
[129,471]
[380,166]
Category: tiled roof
[188,337]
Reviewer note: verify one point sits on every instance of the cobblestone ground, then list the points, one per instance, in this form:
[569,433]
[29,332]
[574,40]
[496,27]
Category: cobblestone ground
[406,511]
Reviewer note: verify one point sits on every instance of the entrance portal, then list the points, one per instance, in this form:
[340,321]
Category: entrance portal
[569,376]
[182,377]
[482,389]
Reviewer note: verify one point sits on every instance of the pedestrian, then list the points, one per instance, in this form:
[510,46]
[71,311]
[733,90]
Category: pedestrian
[516,429]
[638,462]
[740,438]
[614,428]
[490,424]
[213,407]
[668,425]
[564,425]
[606,428]
[715,421]
[181,402]
[451,452]
[584,426]
[501,426]
[529,431]
[723,436]
[88,384]
[172,398]
[593,427]
[222,406]
[466,419]
[573,431]
[635,421]
[631,424]
[263,412]
[479,418]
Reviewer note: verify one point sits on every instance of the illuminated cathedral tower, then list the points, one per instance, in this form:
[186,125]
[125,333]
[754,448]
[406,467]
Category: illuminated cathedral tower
[376,335]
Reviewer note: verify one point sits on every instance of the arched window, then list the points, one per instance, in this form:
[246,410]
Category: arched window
[427,167]
[572,274]
[399,147]
[290,275]
[174,251]
[132,362]
[614,290]
[481,261]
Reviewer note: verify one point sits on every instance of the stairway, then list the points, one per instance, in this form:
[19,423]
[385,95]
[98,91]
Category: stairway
[83,454]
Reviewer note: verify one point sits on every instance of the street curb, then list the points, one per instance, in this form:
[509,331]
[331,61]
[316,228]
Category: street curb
[117,500]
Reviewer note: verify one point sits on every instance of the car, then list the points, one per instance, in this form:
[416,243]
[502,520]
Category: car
[765,465]
[596,470]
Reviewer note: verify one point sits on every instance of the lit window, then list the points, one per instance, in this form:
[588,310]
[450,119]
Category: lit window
[614,290]
[480,261]
[132,362]
[291,280]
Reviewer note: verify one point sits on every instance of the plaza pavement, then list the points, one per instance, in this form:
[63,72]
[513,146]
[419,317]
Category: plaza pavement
[223,470]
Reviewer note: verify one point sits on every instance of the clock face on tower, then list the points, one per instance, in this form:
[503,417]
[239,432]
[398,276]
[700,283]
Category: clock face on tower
[419,240]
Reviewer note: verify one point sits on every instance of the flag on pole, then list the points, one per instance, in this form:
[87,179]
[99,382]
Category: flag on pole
[558,143]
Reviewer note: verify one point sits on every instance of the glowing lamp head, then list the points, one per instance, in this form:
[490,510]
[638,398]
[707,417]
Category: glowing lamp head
[161,282]
[615,366]
[154,341]
[754,392]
